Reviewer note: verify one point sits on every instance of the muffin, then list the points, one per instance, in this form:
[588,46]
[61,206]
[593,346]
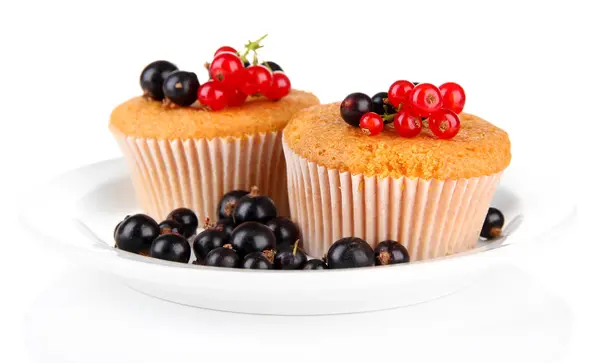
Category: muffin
[189,157]
[431,195]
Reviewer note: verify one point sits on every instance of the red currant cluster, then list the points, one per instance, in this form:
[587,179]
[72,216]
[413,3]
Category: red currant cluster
[232,79]
[407,105]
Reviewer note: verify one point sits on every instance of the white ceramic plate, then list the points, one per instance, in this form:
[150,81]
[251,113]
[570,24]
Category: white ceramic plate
[79,210]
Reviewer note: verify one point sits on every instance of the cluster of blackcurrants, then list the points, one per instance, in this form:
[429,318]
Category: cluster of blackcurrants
[407,104]
[232,80]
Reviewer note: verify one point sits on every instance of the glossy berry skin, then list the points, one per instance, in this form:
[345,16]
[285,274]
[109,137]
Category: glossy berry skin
[406,124]
[188,220]
[399,91]
[181,88]
[444,124]
[257,79]
[274,67]
[225,49]
[170,226]
[252,237]
[227,68]
[285,230]
[492,225]
[390,252]
[350,252]
[315,264]
[222,257]
[425,99]
[229,199]
[117,227]
[213,95]
[236,97]
[251,208]
[208,240]
[226,225]
[280,87]
[136,233]
[256,261]
[354,106]
[288,259]
[171,247]
[380,107]
[153,78]
[453,97]
[371,124]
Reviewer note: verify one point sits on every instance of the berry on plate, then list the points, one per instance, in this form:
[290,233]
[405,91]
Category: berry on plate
[257,261]
[315,264]
[226,225]
[170,226]
[188,220]
[492,225]
[390,252]
[228,202]
[285,230]
[254,207]
[251,237]
[289,257]
[136,233]
[350,252]
[208,240]
[171,247]
[222,257]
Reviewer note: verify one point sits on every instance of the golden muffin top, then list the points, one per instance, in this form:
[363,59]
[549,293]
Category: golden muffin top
[319,134]
[149,119]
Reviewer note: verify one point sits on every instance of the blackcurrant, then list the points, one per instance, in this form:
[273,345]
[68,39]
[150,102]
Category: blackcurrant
[286,232]
[208,240]
[251,237]
[257,261]
[153,78]
[171,247]
[492,225]
[350,252]
[289,258]
[181,88]
[354,106]
[390,252]
[188,220]
[225,224]
[247,64]
[117,227]
[315,264]
[272,66]
[228,203]
[380,107]
[170,226]
[136,233]
[222,257]
[254,208]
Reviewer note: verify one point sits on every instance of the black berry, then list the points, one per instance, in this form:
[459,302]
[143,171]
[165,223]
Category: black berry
[136,233]
[254,208]
[492,225]
[289,258]
[272,66]
[257,261]
[117,227]
[315,264]
[188,220]
[380,107]
[350,252]
[153,78]
[171,247]
[222,257]
[208,240]
[181,88]
[286,232]
[390,252]
[225,224]
[252,237]
[354,106]
[228,202]
[170,226]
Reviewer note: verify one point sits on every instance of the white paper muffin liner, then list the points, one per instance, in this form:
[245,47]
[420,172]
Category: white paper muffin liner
[430,217]
[195,173]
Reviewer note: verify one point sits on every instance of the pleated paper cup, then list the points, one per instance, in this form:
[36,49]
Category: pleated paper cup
[431,218]
[195,173]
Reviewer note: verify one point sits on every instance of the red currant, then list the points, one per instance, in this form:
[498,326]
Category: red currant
[213,95]
[371,124]
[407,124]
[236,98]
[257,79]
[280,88]
[228,69]
[398,92]
[444,124]
[453,96]
[425,99]
[224,49]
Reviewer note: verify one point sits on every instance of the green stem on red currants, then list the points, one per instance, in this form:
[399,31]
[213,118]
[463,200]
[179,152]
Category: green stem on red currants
[252,46]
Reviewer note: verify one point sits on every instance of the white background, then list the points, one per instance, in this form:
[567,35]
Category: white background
[530,67]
